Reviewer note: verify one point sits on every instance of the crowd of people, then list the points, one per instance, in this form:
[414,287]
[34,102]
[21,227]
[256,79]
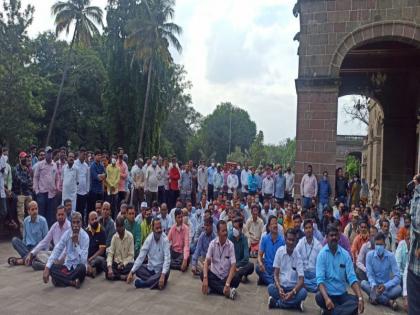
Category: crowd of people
[80,214]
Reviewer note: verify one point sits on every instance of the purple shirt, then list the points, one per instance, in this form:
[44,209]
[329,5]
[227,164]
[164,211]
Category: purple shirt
[222,257]
[343,242]
[45,178]
[54,234]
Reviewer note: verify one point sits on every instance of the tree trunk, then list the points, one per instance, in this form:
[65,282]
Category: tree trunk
[60,90]
[146,104]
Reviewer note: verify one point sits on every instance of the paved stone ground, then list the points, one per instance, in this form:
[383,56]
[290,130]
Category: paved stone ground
[23,292]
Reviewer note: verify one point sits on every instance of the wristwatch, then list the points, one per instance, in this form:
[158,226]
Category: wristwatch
[227,285]
[294,291]
[360,298]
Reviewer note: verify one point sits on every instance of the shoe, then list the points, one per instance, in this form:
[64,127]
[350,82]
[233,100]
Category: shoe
[232,294]
[301,307]
[77,283]
[271,302]
[394,305]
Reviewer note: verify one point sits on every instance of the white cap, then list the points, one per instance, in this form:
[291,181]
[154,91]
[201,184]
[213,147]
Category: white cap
[143,204]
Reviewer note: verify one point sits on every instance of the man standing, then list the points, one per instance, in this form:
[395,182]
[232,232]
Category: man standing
[174,175]
[35,228]
[244,180]
[324,193]
[252,182]
[156,273]
[186,183]
[75,242]
[70,177]
[97,246]
[308,249]
[219,271]
[413,273]
[341,186]
[152,181]
[287,291]
[60,163]
[244,267]
[218,182]
[210,176]
[380,264]
[267,189]
[39,255]
[139,178]
[45,186]
[112,181]
[122,166]
[202,179]
[97,177]
[121,253]
[290,183]
[280,187]
[22,187]
[308,188]
[83,182]
[334,269]
[180,244]
[268,248]
[232,184]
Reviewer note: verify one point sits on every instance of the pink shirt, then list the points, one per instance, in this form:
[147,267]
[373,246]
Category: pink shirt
[180,239]
[45,178]
[123,174]
[54,235]
[222,257]
[59,177]
[309,186]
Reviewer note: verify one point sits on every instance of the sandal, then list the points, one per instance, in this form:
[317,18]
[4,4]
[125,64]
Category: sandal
[14,261]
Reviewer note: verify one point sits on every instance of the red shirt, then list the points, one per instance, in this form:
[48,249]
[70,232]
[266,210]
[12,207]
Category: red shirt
[174,177]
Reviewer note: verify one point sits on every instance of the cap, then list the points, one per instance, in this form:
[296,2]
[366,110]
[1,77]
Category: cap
[143,204]
[22,155]
[48,149]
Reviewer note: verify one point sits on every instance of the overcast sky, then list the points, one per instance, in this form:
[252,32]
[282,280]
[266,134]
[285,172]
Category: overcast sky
[240,51]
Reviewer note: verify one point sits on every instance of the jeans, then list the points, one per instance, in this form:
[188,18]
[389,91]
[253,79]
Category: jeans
[3,208]
[321,206]
[22,249]
[307,202]
[389,294]
[294,302]
[210,189]
[265,277]
[345,304]
[413,283]
[150,279]
[310,281]
[46,207]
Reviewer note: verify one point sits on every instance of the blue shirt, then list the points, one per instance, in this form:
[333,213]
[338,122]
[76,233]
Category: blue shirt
[96,185]
[75,254]
[210,174]
[34,232]
[335,271]
[202,246]
[270,248]
[378,270]
[279,186]
[252,183]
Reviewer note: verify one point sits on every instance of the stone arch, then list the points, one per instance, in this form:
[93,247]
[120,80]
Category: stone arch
[403,31]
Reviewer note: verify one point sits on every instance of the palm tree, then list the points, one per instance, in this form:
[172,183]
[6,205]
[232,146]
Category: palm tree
[150,35]
[85,18]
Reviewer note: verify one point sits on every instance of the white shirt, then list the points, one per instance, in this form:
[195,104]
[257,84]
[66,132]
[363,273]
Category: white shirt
[244,179]
[291,267]
[83,177]
[70,178]
[232,182]
[290,181]
[268,186]
[153,175]
[308,253]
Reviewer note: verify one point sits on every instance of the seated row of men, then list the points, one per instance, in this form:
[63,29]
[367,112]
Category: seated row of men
[290,268]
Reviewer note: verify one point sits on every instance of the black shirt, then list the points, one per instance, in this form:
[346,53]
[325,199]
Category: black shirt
[97,239]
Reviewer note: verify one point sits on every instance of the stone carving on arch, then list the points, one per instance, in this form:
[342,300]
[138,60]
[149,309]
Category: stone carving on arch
[403,31]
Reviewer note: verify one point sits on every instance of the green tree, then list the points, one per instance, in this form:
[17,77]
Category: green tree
[85,18]
[22,90]
[151,33]
[228,126]
[257,153]
[238,156]
[284,153]
[352,165]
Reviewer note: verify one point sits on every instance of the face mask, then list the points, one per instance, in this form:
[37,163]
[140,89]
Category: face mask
[198,212]
[113,161]
[212,164]
[235,232]
[280,221]
[154,163]
[238,167]
[157,236]
[6,158]
[379,249]
[94,225]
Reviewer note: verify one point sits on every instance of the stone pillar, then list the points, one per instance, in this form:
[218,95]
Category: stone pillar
[316,129]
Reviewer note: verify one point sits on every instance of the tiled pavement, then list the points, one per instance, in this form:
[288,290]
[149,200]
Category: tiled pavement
[23,292]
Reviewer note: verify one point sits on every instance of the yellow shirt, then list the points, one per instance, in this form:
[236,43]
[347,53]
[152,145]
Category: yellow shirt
[121,250]
[112,178]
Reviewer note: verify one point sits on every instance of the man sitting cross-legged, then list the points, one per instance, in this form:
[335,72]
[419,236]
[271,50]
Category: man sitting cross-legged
[288,291]
[219,272]
[97,246]
[75,243]
[180,245]
[38,257]
[157,250]
[121,253]
[381,287]
[35,228]
[202,246]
